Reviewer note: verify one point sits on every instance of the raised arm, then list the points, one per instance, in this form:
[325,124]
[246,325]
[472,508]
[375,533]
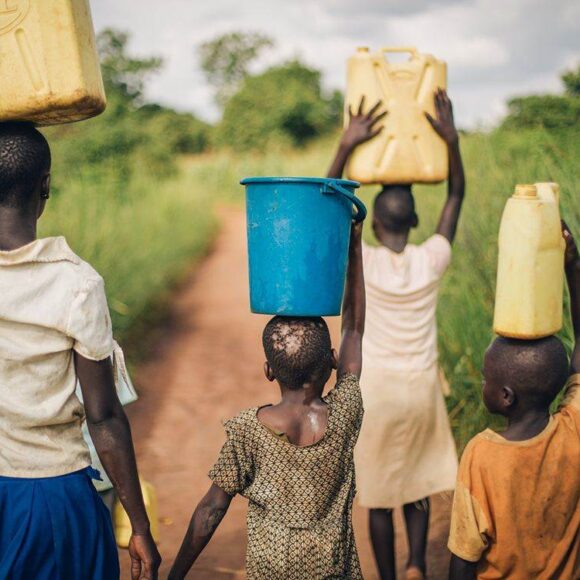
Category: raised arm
[362,127]
[111,434]
[204,522]
[353,309]
[572,265]
[444,125]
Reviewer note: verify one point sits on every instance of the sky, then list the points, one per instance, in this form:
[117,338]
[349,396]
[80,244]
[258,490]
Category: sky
[495,49]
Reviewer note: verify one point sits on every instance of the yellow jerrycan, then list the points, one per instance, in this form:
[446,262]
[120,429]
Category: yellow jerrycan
[530,272]
[121,519]
[408,150]
[48,62]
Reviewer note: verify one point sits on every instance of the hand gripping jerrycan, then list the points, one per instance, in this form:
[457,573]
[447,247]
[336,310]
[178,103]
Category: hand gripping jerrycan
[530,272]
[407,150]
[48,62]
[298,240]
[123,530]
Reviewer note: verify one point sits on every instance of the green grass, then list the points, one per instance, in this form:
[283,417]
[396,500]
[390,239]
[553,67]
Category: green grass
[494,164]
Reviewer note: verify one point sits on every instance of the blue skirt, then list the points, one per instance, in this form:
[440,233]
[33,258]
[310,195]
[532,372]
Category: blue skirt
[55,528]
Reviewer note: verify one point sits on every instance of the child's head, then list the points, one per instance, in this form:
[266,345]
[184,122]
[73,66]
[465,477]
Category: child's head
[523,374]
[394,210]
[24,168]
[298,351]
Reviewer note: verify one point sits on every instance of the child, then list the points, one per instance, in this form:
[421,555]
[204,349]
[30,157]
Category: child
[516,512]
[55,327]
[294,460]
[405,451]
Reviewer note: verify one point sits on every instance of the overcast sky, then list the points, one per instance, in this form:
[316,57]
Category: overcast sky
[495,49]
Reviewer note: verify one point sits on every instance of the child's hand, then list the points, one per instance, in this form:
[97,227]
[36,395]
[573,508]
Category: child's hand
[362,127]
[145,558]
[571,255]
[443,124]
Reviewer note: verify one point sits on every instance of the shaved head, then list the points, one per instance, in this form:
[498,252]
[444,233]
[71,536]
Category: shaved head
[536,370]
[298,350]
[394,208]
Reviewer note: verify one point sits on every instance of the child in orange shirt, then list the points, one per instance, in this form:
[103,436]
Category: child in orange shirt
[516,512]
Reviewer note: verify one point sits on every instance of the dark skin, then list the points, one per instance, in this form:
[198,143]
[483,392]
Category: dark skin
[525,421]
[106,420]
[301,413]
[363,127]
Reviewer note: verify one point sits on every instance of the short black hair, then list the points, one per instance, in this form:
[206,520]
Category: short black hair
[299,350]
[24,159]
[394,207]
[536,369]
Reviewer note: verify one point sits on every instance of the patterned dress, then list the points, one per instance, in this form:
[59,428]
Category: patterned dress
[300,498]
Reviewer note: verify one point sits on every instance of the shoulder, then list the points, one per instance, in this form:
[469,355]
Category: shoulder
[437,250]
[346,397]
[241,425]
[474,453]
[78,273]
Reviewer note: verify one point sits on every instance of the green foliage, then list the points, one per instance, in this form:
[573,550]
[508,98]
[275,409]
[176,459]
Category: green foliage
[226,59]
[283,105]
[552,112]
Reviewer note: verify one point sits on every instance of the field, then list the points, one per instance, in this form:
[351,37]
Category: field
[144,235]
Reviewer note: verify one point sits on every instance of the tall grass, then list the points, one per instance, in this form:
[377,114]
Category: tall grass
[494,164]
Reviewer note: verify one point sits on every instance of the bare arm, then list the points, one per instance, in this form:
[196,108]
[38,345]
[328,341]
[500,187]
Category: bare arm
[204,522]
[111,434]
[444,125]
[572,265]
[362,127]
[353,309]
[460,569]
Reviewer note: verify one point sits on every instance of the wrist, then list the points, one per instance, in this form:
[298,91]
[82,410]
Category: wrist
[141,528]
[453,142]
[346,145]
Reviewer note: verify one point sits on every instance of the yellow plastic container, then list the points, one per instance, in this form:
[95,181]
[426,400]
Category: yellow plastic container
[48,62]
[530,273]
[408,150]
[121,519]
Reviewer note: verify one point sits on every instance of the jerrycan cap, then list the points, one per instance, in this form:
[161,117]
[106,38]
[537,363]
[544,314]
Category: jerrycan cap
[526,191]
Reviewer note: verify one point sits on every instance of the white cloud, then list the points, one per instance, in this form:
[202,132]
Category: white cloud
[494,49]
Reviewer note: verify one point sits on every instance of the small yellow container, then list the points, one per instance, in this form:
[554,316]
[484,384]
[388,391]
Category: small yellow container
[408,150]
[530,273]
[48,62]
[121,520]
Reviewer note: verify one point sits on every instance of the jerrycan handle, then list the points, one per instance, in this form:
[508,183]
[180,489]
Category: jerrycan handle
[361,210]
[410,49]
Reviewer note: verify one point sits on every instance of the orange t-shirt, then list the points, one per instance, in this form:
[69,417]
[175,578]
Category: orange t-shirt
[517,503]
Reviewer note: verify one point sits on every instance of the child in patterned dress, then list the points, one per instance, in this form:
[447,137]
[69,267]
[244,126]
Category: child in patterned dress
[294,460]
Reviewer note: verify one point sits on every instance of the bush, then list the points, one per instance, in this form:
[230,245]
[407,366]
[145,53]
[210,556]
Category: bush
[283,105]
[544,111]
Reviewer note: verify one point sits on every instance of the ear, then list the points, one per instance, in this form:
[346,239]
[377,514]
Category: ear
[334,359]
[508,397]
[268,372]
[45,187]
[414,220]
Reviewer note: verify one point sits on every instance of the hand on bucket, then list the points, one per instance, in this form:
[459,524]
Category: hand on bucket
[362,126]
[443,122]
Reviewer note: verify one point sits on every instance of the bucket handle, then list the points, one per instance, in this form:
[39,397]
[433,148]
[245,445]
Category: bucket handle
[361,210]
[410,49]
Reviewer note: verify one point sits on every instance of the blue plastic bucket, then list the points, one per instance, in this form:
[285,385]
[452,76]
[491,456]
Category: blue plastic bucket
[298,238]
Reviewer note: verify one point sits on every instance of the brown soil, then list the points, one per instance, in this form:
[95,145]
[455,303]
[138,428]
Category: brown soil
[206,366]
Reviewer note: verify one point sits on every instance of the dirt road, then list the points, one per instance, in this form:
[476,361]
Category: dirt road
[207,366]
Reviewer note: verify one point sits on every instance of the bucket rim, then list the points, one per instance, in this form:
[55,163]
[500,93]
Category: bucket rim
[318,180]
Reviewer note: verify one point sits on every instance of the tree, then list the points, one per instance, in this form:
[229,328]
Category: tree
[122,73]
[225,60]
[571,80]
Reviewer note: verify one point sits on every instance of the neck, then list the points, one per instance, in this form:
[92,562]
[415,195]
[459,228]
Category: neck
[16,229]
[395,241]
[526,424]
[303,395]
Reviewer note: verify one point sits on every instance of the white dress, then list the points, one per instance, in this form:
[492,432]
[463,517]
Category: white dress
[405,450]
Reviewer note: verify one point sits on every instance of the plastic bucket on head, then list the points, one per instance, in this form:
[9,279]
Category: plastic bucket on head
[298,239]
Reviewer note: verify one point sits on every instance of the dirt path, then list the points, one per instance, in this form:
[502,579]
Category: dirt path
[206,367]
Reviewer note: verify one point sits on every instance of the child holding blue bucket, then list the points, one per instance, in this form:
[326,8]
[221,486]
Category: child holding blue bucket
[294,460]
[406,450]
[55,328]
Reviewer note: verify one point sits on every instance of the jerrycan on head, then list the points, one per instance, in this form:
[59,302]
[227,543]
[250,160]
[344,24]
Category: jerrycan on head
[407,150]
[48,62]
[530,273]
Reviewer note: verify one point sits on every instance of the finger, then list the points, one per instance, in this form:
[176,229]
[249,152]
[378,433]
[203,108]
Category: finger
[378,118]
[430,119]
[565,228]
[374,109]
[361,105]
[350,112]
[377,131]
[135,568]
